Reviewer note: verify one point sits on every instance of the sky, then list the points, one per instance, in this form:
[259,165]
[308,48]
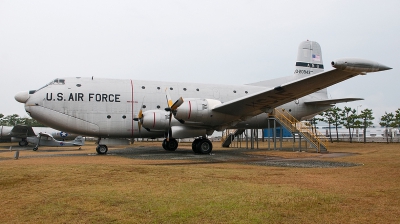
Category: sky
[222,42]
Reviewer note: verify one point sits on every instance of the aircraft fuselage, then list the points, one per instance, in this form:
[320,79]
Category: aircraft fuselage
[106,107]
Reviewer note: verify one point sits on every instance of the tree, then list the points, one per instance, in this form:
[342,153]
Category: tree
[328,118]
[1,119]
[348,116]
[313,123]
[336,119]
[397,117]
[357,124]
[12,120]
[388,120]
[367,118]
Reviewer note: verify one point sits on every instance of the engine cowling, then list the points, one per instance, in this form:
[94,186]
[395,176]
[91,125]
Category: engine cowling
[200,111]
[155,120]
[358,65]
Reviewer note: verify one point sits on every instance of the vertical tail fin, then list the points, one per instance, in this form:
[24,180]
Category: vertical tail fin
[309,62]
[80,141]
[309,59]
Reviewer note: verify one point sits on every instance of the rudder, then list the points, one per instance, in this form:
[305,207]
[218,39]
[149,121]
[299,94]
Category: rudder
[309,59]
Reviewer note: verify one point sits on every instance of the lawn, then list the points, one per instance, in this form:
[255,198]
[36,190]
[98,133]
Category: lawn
[114,189]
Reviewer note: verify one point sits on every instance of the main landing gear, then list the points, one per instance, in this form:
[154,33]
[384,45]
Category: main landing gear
[23,142]
[200,145]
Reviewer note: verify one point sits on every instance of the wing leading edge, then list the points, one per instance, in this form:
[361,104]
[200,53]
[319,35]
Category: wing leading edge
[266,100]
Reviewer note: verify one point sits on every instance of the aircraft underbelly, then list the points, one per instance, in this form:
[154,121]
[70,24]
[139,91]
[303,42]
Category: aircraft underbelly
[63,121]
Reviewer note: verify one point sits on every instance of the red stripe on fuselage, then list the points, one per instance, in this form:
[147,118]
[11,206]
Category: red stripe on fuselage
[190,109]
[132,108]
[154,119]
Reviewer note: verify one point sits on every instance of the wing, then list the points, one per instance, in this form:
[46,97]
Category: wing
[46,134]
[332,101]
[22,131]
[268,99]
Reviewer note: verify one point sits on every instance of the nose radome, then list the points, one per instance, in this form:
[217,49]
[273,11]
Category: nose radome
[22,97]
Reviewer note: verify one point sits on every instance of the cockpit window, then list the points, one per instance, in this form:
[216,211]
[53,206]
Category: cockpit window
[54,82]
[59,81]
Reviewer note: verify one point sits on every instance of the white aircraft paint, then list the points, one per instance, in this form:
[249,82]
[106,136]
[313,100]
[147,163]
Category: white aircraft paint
[112,108]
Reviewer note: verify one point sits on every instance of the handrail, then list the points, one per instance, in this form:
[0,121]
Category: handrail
[226,134]
[294,125]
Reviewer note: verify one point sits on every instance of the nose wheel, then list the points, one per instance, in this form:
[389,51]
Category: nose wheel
[101,149]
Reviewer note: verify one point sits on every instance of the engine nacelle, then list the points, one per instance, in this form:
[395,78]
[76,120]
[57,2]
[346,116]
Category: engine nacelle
[200,111]
[358,65]
[156,119]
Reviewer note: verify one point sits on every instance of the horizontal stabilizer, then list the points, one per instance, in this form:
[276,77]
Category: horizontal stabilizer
[332,101]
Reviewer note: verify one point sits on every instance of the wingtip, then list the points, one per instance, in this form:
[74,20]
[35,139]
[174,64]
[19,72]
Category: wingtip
[384,67]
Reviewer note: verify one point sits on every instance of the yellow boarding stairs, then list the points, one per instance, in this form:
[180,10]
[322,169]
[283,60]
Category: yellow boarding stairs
[229,135]
[285,119]
[294,126]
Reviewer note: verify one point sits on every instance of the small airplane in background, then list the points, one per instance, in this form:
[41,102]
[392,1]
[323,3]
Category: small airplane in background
[113,109]
[45,139]
[19,133]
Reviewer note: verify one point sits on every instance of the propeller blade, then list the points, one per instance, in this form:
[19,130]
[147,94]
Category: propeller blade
[139,119]
[172,107]
[177,104]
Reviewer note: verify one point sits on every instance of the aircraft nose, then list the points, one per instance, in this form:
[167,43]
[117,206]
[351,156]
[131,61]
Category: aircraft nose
[22,97]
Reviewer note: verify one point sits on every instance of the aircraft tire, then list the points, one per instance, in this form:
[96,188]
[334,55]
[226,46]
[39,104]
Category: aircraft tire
[101,149]
[35,149]
[164,144]
[170,145]
[204,146]
[22,143]
[194,145]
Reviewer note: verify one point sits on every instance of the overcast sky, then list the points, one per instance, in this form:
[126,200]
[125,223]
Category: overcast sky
[226,42]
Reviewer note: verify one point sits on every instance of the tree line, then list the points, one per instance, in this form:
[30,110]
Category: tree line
[15,119]
[349,118]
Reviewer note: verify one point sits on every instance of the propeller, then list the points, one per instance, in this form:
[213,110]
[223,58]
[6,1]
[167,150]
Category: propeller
[139,119]
[172,107]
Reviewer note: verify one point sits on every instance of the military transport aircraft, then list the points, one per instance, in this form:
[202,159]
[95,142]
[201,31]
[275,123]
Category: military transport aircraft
[112,109]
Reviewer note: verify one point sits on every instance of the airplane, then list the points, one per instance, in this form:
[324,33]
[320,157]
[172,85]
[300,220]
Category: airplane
[19,133]
[45,139]
[114,109]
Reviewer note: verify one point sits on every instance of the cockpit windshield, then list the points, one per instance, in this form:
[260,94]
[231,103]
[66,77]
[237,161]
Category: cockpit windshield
[54,82]
[59,82]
